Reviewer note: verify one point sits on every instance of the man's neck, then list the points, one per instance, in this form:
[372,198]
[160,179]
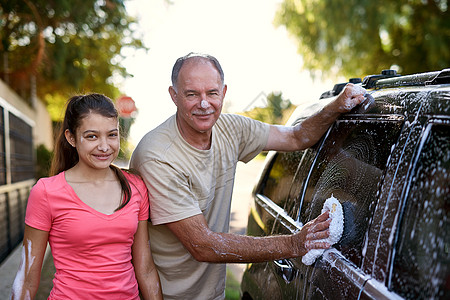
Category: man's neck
[197,139]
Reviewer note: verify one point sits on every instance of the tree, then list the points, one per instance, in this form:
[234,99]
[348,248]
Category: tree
[360,37]
[69,46]
[277,106]
[276,111]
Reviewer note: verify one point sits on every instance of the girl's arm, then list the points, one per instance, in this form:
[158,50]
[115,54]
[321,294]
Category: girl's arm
[146,273]
[28,276]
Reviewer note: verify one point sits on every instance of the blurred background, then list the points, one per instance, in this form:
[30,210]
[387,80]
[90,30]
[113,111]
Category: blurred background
[276,55]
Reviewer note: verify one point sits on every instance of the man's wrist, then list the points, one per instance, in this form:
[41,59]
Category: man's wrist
[331,110]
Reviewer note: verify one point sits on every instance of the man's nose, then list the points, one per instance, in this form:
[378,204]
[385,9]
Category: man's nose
[204,104]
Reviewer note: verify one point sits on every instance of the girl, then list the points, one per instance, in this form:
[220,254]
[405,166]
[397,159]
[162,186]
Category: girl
[93,215]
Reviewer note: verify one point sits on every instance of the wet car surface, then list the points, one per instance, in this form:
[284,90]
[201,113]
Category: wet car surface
[388,164]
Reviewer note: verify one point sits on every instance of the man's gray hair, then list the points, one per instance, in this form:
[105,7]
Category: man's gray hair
[180,61]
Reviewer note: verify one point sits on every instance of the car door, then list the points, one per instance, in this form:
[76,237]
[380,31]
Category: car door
[421,261]
[409,255]
[272,205]
[286,222]
[349,165]
[411,258]
[271,195]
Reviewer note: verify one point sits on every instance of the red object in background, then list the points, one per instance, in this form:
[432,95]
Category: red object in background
[125,106]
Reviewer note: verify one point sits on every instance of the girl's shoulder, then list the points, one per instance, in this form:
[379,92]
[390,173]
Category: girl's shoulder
[53,182]
[133,177]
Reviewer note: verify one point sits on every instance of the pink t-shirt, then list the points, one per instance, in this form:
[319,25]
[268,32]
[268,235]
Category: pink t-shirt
[91,250]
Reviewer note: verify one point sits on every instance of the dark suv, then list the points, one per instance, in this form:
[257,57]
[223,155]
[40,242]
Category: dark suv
[388,163]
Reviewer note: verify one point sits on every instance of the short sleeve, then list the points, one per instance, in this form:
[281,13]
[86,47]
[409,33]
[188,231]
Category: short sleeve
[38,214]
[170,196]
[255,136]
[251,135]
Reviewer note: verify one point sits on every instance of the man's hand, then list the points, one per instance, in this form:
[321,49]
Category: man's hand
[308,132]
[310,235]
[350,96]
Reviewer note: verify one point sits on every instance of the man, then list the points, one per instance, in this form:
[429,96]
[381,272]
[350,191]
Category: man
[189,162]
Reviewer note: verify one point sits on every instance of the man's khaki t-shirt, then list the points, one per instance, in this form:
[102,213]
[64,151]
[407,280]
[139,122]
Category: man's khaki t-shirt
[184,181]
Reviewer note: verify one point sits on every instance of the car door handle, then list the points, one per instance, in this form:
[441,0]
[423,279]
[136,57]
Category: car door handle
[285,269]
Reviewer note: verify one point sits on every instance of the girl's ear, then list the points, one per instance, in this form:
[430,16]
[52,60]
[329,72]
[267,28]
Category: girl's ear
[70,138]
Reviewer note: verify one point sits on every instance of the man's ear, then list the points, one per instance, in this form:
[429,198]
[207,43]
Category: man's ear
[224,90]
[173,95]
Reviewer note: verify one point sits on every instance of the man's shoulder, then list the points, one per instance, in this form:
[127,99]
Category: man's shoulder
[154,142]
[236,123]
[230,120]
[163,132]
[230,117]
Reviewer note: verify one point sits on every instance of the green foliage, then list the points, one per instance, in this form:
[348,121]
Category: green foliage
[126,148]
[232,287]
[360,37]
[72,46]
[43,161]
[277,110]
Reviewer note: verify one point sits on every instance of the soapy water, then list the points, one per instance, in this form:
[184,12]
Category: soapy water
[351,170]
[336,228]
[330,181]
[357,90]
[369,100]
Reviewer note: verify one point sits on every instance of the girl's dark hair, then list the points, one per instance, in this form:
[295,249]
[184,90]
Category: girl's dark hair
[65,156]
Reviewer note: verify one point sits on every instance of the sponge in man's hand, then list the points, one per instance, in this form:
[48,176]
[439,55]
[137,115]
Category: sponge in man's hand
[334,208]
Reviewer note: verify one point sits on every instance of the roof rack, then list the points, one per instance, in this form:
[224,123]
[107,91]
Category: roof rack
[441,78]
[370,81]
[390,78]
[420,79]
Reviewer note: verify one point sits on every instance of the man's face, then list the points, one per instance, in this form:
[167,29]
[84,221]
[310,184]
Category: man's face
[198,95]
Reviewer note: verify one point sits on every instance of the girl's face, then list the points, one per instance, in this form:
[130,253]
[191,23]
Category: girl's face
[96,140]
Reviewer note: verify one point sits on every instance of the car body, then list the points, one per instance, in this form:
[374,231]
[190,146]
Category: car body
[388,163]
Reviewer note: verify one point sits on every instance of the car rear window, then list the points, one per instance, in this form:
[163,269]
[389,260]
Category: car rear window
[350,166]
[422,260]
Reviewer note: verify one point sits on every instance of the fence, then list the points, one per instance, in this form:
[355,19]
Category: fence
[16,174]
[13,201]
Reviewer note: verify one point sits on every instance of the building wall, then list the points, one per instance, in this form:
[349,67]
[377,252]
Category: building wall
[22,129]
[42,134]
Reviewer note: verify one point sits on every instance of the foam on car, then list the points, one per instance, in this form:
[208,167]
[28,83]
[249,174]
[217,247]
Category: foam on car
[334,208]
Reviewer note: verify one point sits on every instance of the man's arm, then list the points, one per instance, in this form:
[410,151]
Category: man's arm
[216,247]
[308,132]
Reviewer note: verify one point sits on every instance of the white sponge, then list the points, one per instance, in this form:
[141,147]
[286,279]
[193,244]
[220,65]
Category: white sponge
[336,228]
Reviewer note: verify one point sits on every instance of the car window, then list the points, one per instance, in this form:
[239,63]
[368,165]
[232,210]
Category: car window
[293,205]
[350,166]
[422,260]
[280,176]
